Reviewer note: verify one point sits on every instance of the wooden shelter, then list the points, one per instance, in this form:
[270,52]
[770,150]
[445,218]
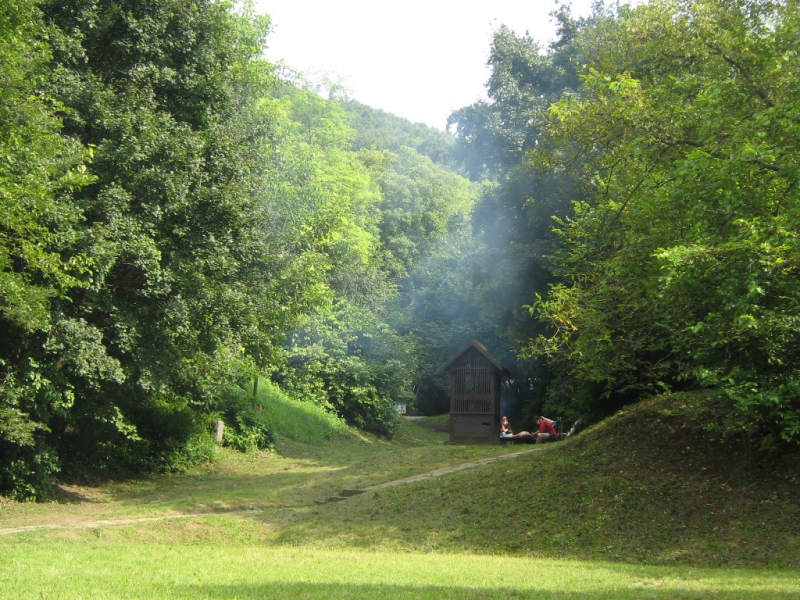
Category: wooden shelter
[474,395]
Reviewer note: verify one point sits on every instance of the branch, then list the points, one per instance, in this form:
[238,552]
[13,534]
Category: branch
[744,73]
[695,144]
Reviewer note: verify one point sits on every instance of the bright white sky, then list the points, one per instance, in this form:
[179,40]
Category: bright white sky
[419,59]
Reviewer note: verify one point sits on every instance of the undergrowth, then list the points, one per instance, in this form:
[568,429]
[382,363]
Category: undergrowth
[283,416]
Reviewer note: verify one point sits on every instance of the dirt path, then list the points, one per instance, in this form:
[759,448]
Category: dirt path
[448,470]
[345,494]
[132,521]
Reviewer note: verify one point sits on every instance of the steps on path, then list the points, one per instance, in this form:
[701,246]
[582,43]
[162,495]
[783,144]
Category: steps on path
[343,495]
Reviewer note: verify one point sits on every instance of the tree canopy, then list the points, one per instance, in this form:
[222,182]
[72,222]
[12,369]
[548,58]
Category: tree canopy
[680,266]
[179,220]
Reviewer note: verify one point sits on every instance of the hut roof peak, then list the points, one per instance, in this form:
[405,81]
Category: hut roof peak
[480,348]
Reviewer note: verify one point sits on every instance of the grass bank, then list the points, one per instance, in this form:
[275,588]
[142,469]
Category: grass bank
[650,485]
[644,505]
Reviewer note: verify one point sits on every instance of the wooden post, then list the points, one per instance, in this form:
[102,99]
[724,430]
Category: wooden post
[219,430]
[256,406]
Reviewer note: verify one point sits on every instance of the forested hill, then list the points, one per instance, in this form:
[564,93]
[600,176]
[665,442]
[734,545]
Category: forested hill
[181,222]
[375,128]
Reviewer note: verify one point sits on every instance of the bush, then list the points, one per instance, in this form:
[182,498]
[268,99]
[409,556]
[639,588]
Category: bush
[155,434]
[245,429]
[348,360]
[28,472]
[198,449]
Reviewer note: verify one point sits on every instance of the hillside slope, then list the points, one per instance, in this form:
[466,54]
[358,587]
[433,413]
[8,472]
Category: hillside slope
[647,485]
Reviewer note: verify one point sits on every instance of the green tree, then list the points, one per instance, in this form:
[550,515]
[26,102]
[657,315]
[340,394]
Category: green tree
[343,355]
[191,281]
[421,204]
[492,138]
[40,230]
[512,220]
[424,228]
[376,129]
[681,267]
[347,359]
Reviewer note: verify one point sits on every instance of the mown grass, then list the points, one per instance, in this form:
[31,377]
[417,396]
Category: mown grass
[644,505]
[294,476]
[70,571]
[648,485]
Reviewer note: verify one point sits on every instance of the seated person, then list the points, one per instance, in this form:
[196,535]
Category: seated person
[547,431]
[505,430]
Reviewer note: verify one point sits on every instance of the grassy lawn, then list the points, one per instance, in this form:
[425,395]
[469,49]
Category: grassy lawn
[644,505]
[114,570]
[296,475]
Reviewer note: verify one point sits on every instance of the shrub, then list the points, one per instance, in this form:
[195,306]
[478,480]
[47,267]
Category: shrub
[245,429]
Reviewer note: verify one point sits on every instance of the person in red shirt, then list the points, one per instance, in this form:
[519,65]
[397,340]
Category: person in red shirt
[547,431]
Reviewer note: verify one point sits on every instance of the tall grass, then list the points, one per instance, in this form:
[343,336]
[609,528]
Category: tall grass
[298,420]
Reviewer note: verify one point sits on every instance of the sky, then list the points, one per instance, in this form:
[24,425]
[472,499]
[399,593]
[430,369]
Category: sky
[418,59]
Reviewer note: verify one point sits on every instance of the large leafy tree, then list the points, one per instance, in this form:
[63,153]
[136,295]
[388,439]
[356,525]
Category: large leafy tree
[513,218]
[426,227]
[40,229]
[682,267]
[195,273]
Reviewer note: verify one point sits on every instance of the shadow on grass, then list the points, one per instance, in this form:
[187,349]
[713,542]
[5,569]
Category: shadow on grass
[65,496]
[312,591]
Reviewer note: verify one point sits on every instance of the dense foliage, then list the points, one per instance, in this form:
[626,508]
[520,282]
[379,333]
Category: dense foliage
[169,95]
[512,220]
[178,220]
[680,268]
[386,212]
[40,261]
[376,129]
